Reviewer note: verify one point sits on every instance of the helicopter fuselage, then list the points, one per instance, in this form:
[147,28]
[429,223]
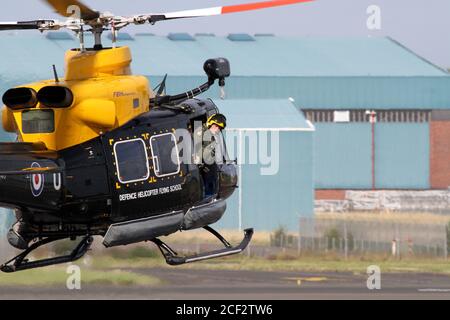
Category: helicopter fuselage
[100,154]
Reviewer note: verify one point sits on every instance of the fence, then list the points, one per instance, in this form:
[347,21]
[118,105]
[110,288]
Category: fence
[396,237]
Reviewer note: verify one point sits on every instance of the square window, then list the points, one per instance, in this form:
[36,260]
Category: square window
[131,161]
[166,160]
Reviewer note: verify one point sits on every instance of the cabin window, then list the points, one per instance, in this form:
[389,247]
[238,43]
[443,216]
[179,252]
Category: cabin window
[131,161]
[38,121]
[166,160]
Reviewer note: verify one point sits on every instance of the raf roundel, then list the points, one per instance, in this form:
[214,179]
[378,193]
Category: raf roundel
[37,181]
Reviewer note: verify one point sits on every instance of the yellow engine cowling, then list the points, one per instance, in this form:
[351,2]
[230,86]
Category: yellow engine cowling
[8,120]
[105,96]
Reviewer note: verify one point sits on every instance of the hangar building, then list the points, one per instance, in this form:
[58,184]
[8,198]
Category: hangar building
[339,84]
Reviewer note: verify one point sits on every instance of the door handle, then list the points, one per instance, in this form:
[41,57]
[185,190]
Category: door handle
[156,162]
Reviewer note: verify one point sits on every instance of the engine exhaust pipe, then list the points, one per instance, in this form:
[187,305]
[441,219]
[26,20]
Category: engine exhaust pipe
[20,98]
[55,97]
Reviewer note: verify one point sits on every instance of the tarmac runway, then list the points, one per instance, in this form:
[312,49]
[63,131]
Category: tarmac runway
[184,284]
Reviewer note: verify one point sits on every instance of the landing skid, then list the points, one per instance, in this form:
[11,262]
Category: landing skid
[173,259]
[20,262]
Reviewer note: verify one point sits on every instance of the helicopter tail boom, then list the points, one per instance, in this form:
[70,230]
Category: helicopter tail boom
[28,170]
[32,170]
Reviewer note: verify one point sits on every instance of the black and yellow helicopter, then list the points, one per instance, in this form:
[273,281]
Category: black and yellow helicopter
[97,152]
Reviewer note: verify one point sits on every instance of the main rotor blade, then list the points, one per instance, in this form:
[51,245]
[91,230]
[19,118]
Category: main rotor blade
[63,7]
[215,11]
[23,25]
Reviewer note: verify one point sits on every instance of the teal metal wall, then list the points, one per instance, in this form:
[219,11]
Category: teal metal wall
[402,156]
[332,92]
[343,156]
[268,202]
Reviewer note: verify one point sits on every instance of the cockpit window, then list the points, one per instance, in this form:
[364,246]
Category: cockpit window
[38,121]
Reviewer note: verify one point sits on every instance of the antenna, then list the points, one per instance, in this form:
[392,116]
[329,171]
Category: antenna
[55,74]
[161,89]
[162,86]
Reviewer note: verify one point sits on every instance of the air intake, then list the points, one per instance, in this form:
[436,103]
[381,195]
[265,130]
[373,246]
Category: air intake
[20,98]
[55,97]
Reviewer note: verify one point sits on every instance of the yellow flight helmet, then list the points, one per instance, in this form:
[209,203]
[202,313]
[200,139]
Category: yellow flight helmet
[217,119]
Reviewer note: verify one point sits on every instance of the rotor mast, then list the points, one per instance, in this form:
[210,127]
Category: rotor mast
[97,31]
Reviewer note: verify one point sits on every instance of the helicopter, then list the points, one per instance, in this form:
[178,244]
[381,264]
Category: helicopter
[98,152]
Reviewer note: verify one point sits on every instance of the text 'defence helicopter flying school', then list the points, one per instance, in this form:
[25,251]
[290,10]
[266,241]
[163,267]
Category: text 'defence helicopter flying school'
[98,153]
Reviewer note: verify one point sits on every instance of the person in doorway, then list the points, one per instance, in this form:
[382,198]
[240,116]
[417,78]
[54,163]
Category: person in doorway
[213,153]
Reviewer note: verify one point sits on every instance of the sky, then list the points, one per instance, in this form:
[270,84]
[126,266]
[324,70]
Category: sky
[421,25]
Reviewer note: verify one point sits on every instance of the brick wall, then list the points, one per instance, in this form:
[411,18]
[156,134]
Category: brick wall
[440,154]
[330,194]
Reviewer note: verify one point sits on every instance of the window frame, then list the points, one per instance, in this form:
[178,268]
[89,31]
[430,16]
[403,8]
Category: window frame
[117,162]
[153,155]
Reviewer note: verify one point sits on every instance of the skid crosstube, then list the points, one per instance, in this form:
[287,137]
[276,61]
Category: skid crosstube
[173,259]
[19,262]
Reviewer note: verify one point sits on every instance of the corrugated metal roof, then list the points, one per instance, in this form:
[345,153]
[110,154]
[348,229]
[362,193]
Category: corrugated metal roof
[265,56]
[263,114]
[180,37]
[318,72]
[282,56]
[343,92]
